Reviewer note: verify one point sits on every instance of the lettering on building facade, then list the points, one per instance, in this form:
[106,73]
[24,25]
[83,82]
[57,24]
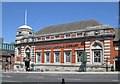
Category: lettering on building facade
[60,46]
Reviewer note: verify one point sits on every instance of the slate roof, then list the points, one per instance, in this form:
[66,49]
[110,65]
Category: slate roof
[80,25]
[117,34]
[68,27]
[4,53]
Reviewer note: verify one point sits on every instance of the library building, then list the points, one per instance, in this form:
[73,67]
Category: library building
[77,46]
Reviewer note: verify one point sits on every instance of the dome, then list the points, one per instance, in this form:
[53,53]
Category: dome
[25,26]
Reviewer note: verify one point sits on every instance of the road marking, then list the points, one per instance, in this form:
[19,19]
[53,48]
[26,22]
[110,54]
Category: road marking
[9,81]
[8,76]
[73,79]
[115,80]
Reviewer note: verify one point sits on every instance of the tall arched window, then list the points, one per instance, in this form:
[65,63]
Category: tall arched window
[96,52]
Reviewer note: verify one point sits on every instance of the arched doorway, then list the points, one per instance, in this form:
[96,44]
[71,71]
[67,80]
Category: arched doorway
[27,58]
[96,51]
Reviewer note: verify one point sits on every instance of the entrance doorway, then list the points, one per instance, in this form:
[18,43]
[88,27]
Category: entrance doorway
[117,65]
[27,59]
[27,64]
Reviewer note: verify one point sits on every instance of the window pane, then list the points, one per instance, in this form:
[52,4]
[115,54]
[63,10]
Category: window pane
[47,56]
[38,57]
[56,36]
[97,56]
[57,56]
[79,56]
[67,35]
[67,54]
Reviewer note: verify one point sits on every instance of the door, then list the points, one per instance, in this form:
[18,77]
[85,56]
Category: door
[27,61]
[117,65]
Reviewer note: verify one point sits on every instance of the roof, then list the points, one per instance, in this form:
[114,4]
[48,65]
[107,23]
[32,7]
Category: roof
[25,26]
[68,27]
[117,35]
[4,53]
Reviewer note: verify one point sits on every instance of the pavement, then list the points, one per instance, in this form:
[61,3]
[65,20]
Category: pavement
[64,72]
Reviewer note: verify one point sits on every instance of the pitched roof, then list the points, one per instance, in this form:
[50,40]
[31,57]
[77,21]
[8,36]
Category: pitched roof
[4,53]
[117,35]
[68,27]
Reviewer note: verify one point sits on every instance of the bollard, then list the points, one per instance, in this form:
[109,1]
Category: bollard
[63,81]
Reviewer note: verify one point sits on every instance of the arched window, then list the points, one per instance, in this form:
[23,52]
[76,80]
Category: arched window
[96,53]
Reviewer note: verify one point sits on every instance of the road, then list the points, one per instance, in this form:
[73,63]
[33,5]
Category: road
[57,77]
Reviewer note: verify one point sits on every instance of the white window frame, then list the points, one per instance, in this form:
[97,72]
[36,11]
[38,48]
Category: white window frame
[66,36]
[45,60]
[76,55]
[56,35]
[46,38]
[117,47]
[55,57]
[97,63]
[79,34]
[37,57]
[70,56]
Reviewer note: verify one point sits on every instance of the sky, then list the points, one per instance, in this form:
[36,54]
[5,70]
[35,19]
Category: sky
[42,14]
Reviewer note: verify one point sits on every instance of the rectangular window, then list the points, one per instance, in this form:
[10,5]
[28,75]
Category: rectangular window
[117,47]
[78,56]
[57,56]
[9,47]
[91,33]
[47,57]
[38,57]
[96,32]
[39,38]
[67,35]
[107,31]
[57,36]
[47,37]
[4,46]
[101,31]
[97,56]
[79,34]
[67,55]
[87,33]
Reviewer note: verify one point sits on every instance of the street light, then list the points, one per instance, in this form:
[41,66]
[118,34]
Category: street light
[107,64]
[33,44]
[84,59]
[32,65]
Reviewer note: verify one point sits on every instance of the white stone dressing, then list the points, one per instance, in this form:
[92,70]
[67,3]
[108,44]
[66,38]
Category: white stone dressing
[25,26]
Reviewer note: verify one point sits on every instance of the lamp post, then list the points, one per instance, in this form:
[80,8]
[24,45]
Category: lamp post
[107,64]
[32,65]
[33,45]
[84,58]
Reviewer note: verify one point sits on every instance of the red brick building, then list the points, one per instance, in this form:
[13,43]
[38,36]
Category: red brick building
[6,55]
[7,60]
[60,47]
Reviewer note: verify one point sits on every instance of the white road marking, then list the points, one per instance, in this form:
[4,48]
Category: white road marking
[115,80]
[8,76]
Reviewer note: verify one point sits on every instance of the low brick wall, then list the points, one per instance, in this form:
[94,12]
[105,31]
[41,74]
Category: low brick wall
[70,68]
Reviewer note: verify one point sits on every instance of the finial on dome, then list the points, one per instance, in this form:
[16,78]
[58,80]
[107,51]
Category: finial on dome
[25,17]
